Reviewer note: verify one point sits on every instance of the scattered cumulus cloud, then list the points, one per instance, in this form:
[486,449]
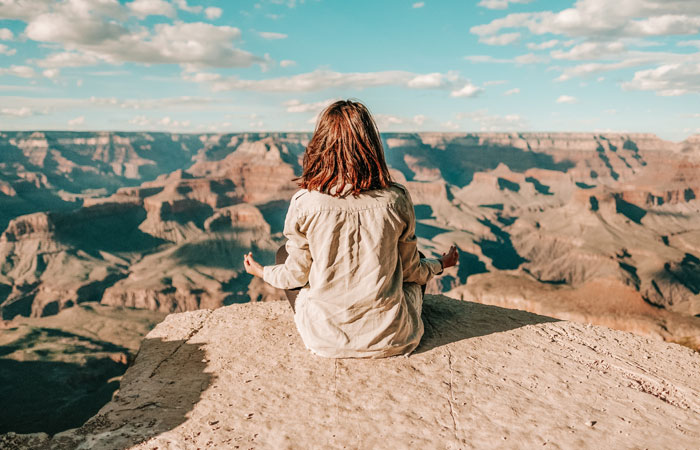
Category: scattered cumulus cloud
[50,73]
[16,112]
[528,58]
[469,90]
[76,121]
[486,121]
[542,45]
[6,34]
[692,43]
[389,121]
[145,8]
[18,71]
[319,80]
[418,5]
[94,32]
[269,35]
[567,99]
[213,12]
[499,4]
[595,18]
[512,91]
[287,63]
[297,106]
[5,50]
[184,6]
[667,79]
[500,39]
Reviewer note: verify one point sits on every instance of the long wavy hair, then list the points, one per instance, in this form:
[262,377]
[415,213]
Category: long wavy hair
[345,149]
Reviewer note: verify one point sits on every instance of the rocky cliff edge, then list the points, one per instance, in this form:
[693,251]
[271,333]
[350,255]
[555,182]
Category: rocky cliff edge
[483,377]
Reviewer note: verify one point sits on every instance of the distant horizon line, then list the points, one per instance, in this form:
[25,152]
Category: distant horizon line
[598,133]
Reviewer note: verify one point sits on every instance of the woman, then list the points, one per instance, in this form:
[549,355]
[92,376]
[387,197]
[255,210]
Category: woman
[352,246]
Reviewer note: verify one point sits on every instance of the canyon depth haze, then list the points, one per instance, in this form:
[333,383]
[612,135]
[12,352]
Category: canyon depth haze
[594,228]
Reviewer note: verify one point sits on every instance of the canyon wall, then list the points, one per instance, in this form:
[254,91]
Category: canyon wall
[602,228]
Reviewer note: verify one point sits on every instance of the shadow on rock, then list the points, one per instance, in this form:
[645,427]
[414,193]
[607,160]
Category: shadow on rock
[447,320]
[167,376]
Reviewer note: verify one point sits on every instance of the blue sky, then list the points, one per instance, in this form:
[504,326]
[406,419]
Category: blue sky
[271,65]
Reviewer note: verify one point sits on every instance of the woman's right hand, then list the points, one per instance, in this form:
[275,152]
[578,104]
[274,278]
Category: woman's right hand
[450,258]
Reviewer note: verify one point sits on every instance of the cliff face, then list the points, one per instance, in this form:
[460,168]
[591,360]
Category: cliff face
[548,221]
[483,377]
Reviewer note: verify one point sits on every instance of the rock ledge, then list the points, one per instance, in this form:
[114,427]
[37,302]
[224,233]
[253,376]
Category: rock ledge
[483,377]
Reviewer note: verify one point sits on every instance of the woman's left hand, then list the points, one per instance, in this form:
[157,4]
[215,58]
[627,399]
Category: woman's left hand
[251,266]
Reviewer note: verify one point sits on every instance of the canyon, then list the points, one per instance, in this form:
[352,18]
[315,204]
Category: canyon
[588,227]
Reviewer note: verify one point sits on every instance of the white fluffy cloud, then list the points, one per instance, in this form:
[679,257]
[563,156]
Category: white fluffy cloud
[319,80]
[500,39]
[5,50]
[418,5]
[271,35]
[668,79]
[528,58]
[512,91]
[287,63]
[297,106]
[100,31]
[76,121]
[17,112]
[591,50]
[596,18]
[494,122]
[145,8]
[18,71]
[184,6]
[499,4]
[212,12]
[607,38]
[468,90]
[567,99]
[542,45]
[385,121]
[6,34]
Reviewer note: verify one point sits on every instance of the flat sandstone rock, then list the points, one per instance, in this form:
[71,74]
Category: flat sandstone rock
[483,377]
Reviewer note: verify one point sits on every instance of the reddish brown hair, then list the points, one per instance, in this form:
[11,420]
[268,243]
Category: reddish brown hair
[345,149]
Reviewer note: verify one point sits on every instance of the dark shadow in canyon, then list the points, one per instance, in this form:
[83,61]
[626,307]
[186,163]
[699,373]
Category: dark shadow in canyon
[274,213]
[54,392]
[428,231]
[92,230]
[539,187]
[629,210]
[501,251]
[448,320]
[469,264]
[459,162]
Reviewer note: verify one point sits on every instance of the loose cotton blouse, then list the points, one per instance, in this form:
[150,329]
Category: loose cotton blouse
[357,262]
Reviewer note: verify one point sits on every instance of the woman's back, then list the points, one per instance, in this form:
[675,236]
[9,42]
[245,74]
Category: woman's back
[357,259]
[353,253]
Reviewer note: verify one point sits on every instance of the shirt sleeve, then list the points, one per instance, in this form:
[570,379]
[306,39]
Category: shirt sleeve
[294,272]
[415,269]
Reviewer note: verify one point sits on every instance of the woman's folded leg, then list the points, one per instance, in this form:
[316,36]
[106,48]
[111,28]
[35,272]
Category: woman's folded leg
[291,294]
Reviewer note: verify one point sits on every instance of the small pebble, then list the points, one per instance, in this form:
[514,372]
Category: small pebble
[590,423]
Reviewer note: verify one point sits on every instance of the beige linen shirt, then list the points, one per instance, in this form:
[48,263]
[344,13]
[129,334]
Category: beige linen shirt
[357,260]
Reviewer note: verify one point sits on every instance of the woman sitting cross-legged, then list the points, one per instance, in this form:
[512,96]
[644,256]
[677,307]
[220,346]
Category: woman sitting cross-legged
[351,254]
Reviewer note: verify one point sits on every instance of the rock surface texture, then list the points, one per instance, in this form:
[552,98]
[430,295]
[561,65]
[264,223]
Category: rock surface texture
[483,377]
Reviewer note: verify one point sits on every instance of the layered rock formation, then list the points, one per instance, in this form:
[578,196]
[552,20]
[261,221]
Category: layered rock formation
[483,377]
[552,222]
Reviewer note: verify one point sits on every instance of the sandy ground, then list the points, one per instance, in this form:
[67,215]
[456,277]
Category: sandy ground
[483,377]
